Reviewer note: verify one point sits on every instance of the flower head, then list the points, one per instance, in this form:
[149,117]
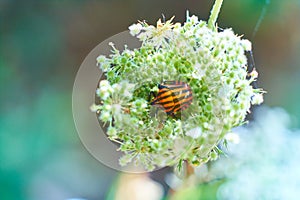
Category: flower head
[212,63]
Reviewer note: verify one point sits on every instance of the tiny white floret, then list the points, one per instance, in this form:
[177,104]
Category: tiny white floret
[194,133]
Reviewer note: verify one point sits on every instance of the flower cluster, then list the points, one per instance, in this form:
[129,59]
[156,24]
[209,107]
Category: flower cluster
[212,63]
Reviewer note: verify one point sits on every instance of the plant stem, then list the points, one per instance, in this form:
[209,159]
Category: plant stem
[214,13]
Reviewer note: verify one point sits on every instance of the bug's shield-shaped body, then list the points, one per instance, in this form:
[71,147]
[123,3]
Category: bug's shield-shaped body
[173,96]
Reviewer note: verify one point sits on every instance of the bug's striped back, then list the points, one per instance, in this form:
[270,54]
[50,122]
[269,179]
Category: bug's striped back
[173,96]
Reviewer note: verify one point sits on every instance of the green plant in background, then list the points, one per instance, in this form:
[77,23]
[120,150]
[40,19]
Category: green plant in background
[212,63]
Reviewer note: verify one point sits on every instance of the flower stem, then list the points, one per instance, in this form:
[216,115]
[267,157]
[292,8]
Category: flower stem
[214,13]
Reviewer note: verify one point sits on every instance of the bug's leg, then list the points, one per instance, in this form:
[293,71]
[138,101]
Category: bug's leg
[174,115]
[178,115]
[171,113]
[152,94]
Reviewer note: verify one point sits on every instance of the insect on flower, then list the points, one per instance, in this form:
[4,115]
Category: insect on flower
[173,96]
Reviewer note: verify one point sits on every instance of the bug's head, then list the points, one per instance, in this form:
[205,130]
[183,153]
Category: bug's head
[161,86]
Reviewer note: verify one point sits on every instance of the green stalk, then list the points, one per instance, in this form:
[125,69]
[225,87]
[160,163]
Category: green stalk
[214,13]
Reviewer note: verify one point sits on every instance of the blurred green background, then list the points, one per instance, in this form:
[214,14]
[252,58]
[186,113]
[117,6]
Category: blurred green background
[42,45]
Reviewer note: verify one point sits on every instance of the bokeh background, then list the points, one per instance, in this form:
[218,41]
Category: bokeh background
[42,44]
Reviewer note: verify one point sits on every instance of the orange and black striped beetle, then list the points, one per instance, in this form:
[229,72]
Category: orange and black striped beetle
[173,96]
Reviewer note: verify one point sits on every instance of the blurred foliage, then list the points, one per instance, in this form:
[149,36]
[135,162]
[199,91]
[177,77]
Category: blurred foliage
[201,191]
[41,47]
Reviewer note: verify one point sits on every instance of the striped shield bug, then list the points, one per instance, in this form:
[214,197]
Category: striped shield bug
[173,96]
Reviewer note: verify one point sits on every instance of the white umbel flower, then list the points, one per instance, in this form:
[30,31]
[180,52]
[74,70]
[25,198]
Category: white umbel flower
[233,138]
[135,29]
[257,99]
[194,133]
[213,63]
